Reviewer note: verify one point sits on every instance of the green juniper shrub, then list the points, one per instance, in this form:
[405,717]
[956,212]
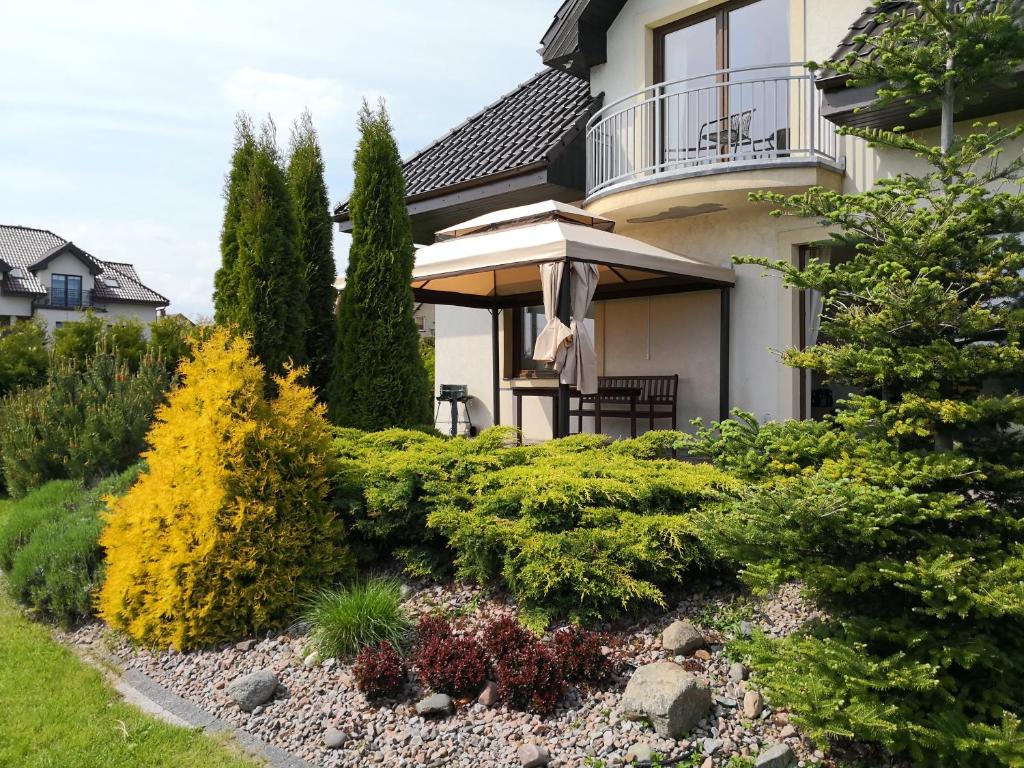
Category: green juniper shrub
[379,671]
[580,531]
[88,420]
[23,356]
[389,482]
[342,621]
[80,340]
[573,527]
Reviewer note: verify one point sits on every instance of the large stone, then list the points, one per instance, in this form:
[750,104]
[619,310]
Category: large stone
[667,695]
[681,637]
[489,695]
[253,690]
[753,705]
[737,673]
[334,738]
[776,756]
[534,756]
[438,705]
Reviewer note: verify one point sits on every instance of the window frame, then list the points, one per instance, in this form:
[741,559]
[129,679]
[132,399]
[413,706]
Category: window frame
[67,278]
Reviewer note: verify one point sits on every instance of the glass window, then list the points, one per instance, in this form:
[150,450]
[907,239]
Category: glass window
[66,290]
[530,321]
[703,117]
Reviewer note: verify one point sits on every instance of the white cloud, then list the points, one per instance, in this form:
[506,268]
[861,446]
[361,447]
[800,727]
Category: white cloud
[285,96]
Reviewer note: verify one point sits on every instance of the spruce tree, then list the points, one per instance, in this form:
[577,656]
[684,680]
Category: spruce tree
[904,515]
[378,379]
[268,273]
[315,244]
[225,288]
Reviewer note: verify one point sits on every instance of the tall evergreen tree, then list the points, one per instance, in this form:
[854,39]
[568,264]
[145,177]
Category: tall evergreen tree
[378,379]
[904,516]
[225,284]
[315,243]
[268,271]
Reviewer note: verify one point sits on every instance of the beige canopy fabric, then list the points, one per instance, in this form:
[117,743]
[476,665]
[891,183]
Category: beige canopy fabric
[498,266]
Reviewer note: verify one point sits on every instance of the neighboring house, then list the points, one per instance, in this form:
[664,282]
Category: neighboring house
[50,279]
[662,116]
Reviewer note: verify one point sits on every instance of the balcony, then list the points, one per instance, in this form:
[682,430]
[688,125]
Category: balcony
[57,298]
[761,125]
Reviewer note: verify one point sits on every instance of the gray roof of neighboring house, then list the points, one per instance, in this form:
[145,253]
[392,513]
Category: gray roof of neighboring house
[524,129]
[22,248]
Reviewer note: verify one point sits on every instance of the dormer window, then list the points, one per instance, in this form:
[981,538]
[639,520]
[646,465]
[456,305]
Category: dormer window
[66,290]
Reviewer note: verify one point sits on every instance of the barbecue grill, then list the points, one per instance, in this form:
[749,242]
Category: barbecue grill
[455,395]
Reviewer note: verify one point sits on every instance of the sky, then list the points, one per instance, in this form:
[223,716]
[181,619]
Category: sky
[116,118]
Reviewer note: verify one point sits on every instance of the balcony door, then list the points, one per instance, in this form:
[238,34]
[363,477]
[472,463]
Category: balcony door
[66,290]
[721,98]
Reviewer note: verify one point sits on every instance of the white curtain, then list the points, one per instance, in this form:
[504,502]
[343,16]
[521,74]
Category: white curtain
[569,349]
[552,341]
[815,304]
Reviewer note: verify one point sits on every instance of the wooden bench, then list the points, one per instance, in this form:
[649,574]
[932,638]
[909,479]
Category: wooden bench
[649,397]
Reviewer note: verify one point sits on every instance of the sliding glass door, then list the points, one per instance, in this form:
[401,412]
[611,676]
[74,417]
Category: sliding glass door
[723,98]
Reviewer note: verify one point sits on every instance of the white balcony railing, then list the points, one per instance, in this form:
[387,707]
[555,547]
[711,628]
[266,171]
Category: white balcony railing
[714,122]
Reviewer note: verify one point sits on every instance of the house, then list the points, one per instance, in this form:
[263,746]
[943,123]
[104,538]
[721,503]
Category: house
[657,118]
[50,279]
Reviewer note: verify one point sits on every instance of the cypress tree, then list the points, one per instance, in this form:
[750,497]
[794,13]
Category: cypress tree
[904,515]
[378,380]
[315,245]
[268,271]
[225,284]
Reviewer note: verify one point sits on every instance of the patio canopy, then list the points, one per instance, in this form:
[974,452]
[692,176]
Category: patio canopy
[492,261]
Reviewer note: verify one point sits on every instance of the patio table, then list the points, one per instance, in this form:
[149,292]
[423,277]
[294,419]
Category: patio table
[631,394]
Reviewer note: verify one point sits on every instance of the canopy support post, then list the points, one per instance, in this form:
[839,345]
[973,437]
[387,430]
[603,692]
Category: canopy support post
[495,367]
[723,357]
[565,315]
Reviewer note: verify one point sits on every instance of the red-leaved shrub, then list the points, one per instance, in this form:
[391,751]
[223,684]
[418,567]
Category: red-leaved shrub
[530,677]
[505,636]
[379,670]
[578,652]
[432,628]
[452,665]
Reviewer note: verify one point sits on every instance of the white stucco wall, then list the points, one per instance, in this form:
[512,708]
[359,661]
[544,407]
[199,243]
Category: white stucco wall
[15,306]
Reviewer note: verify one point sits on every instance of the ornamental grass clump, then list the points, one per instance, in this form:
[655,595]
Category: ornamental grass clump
[342,621]
[230,526]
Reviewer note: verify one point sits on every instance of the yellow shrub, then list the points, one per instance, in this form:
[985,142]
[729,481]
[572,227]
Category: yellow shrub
[230,527]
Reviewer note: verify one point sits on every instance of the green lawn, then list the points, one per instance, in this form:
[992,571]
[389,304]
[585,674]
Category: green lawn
[55,712]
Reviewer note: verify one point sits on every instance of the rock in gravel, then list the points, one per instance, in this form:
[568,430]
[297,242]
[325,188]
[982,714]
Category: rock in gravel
[534,755]
[667,695]
[245,646]
[753,705]
[334,739]
[438,705]
[681,637]
[254,689]
[788,732]
[737,673]
[776,756]
[489,695]
[639,753]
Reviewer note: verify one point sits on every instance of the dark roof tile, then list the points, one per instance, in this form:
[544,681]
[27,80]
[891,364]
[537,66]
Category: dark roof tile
[522,129]
[22,247]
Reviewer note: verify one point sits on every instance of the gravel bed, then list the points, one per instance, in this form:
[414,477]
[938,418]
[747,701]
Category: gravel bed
[316,697]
